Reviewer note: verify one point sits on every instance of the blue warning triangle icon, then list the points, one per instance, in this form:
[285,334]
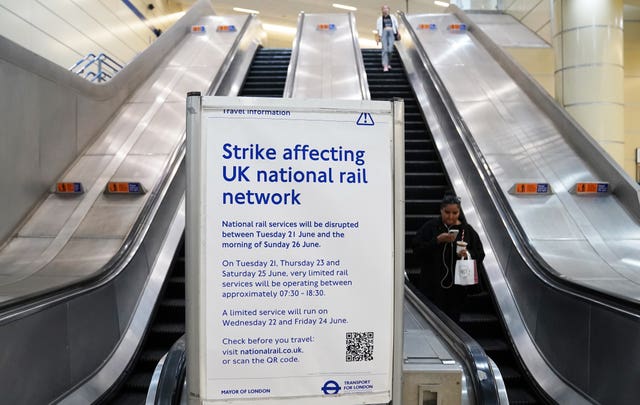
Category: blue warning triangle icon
[365,119]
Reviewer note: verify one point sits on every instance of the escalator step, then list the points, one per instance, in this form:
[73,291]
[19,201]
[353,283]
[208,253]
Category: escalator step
[168,328]
[425,192]
[477,317]
[412,166]
[492,345]
[140,381]
[510,374]
[173,303]
[519,396]
[131,398]
[152,356]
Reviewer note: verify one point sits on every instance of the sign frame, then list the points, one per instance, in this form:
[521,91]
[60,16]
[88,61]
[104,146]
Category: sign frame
[195,248]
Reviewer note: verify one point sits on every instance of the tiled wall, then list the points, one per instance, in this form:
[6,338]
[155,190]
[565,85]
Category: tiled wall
[63,31]
[535,14]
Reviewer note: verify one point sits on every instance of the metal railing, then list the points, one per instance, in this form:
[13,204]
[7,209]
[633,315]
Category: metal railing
[96,68]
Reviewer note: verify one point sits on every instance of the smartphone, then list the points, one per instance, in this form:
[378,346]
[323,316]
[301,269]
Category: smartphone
[454,232]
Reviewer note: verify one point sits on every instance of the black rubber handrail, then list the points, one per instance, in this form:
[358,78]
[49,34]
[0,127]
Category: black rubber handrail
[174,372]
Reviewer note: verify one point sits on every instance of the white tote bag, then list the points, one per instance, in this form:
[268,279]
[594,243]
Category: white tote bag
[466,272]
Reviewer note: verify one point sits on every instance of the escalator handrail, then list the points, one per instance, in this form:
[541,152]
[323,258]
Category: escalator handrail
[172,377]
[531,257]
[293,62]
[362,74]
[483,379]
[228,60]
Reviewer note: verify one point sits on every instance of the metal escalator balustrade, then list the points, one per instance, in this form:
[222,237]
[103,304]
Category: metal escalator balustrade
[426,183]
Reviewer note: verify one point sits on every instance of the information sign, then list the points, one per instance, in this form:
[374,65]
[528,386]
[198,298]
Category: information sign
[532,188]
[69,188]
[326,27]
[592,188]
[124,187]
[297,238]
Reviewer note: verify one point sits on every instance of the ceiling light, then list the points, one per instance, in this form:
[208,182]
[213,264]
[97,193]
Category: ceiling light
[441,3]
[245,10]
[342,6]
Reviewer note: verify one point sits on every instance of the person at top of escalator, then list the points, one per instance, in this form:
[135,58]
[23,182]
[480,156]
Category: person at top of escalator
[387,31]
[436,244]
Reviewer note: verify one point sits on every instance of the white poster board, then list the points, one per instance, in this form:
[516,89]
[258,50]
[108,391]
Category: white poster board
[297,261]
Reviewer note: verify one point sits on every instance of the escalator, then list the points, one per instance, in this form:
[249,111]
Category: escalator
[266,78]
[425,185]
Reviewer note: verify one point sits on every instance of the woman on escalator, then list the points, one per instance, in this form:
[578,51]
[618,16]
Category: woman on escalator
[440,243]
[387,32]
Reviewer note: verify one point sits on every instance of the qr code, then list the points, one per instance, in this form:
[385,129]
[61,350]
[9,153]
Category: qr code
[359,346]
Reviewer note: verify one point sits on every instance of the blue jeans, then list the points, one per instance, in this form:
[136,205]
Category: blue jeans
[387,39]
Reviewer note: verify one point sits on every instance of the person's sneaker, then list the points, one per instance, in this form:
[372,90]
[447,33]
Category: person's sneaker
[389,67]
[386,69]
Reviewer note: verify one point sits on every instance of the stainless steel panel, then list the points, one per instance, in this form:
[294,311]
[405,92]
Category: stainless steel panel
[509,168]
[490,131]
[544,217]
[36,283]
[463,84]
[327,62]
[563,316]
[110,141]
[162,134]
[194,79]
[86,170]
[607,347]
[519,110]
[37,347]
[618,287]
[49,218]
[576,258]
[145,169]
[81,258]
[186,52]
[615,226]
[213,48]
[94,313]
[423,345]
[148,92]
[108,220]
[19,253]
[130,281]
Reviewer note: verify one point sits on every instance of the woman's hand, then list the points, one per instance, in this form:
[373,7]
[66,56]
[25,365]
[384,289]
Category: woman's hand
[463,253]
[446,237]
